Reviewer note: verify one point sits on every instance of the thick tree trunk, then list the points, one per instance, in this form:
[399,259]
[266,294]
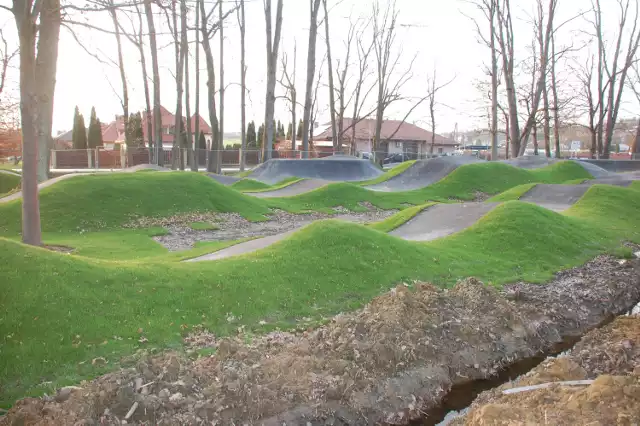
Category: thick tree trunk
[147,98]
[184,41]
[157,118]
[46,65]
[176,152]
[212,158]
[221,138]
[335,136]
[494,84]
[31,232]
[272,62]
[534,136]
[123,78]
[243,88]
[197,114]
[311,70]
[635,153]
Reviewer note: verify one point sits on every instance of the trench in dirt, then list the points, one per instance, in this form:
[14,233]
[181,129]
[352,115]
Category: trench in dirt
[461,396]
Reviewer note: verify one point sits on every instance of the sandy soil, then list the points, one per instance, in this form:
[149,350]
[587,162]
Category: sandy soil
[610,356]
[390,362]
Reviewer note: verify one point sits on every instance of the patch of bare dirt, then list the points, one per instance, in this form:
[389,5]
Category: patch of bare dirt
[389,363]
[609,355]
[59,249]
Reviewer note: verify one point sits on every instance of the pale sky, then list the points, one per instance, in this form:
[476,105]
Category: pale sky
[438,32]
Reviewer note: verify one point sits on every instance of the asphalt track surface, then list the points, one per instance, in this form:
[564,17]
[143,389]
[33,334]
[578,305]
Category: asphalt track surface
[337,169]
[296,188]
[423,173]
[223,179]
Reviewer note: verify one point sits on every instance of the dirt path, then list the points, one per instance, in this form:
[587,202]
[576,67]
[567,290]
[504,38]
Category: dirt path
[441,220]
[607,363]
[293,189]
[391,362]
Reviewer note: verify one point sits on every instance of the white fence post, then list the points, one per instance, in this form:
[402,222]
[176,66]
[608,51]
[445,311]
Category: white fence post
[89,159]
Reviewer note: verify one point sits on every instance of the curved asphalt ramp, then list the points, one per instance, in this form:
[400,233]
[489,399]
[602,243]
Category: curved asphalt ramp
[530,161]
[225,180]
[615,166]
[297,188]
[337,168]
[423,173]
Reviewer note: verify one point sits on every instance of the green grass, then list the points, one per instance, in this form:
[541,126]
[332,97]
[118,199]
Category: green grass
[203,226]
[251,185]
[461,184]
[395,171]
[512,194]
[398,219]
[8,183]
[103,202]
[58,311]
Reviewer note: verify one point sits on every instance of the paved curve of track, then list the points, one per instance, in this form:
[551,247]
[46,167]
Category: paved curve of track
[296,188]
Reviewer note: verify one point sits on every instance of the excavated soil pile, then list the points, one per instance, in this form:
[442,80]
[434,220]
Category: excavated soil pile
[610,355]
[391,362]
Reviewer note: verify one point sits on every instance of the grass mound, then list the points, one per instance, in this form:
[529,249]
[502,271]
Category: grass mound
[98,202]
[8,183]
[512,194]
[58,312]
[462,184]
[398,219]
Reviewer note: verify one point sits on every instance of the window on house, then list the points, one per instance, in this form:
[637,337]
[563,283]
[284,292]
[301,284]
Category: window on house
[398,144]
[440,150]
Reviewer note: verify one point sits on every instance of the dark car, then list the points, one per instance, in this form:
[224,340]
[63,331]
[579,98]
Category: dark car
[396,158]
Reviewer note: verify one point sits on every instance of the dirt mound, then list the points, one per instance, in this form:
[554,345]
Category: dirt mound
[609,355]
[390,362]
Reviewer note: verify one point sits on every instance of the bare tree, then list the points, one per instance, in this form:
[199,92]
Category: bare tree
[37,87]
[432,91]
[315,103]
[489,9]
[554,92]
[359,97]
[332,102]
[519,137]
[243,85]
[123,77]
[184,47]
[157,118]
[221,138]
[618,68]
[197,123]
[288,81]
[273,42]
[634,83]
[311,70]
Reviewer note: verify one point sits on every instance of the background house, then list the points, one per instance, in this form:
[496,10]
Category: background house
[396,137]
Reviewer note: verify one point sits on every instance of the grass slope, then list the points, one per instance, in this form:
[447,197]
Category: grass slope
[58,312]
[251,185]
[512,194]
[8,183]
[400,218]
[98,202]
[462,184]
[395,171]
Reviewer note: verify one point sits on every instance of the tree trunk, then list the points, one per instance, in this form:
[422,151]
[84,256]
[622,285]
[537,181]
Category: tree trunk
[243,89]
[176,152]
[635,153]
[335,137]
[185,51]
[221,138]
[272,62]
[46,65]
[494,84]
[123,78]
[534,135]
[311,70]
[432,113]
[145,80]
[212,160]
[554,92]
[31,232]
[197,123]
[157,118]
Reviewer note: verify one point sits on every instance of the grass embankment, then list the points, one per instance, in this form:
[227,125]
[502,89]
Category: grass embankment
[59,312]
[462,184]
[400,218]
[512,194]
[251,185]
[8,183]
[101,202]
[393,172]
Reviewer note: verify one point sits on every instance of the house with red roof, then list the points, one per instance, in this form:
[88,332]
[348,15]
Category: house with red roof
[396,137]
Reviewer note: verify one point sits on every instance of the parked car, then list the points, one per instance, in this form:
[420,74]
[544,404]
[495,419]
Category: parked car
[396,158]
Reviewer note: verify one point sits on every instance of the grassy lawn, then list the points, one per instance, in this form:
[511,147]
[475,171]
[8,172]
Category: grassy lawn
[8,183]
[251,185]
[61,311]
[108,201]
[395,171]
[461,184]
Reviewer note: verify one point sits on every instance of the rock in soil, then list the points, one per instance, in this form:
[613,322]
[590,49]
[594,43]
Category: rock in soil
[610,356]
[388,363]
